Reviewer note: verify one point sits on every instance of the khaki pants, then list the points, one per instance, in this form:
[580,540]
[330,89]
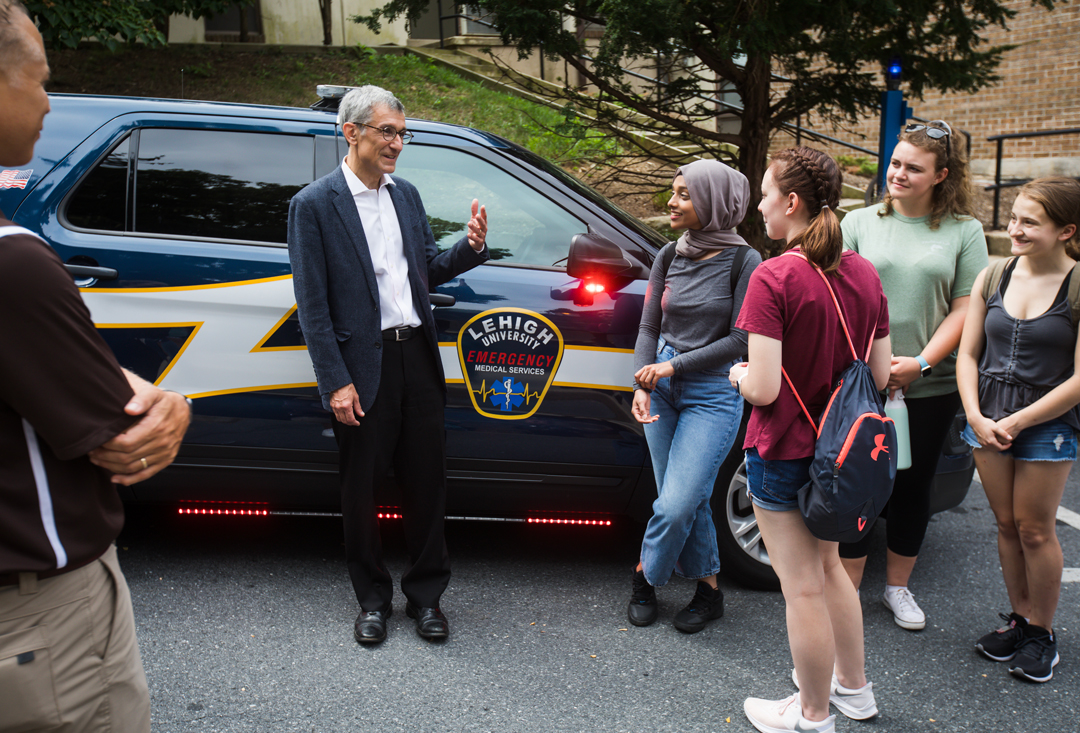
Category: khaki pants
[69,660]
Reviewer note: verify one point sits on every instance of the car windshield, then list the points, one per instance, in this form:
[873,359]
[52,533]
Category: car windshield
[650,234]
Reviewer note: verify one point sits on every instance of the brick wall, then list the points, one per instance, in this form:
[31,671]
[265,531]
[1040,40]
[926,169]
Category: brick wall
[1039,90]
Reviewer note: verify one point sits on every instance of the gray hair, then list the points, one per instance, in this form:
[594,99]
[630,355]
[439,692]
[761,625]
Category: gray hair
[13,43]
[359,104]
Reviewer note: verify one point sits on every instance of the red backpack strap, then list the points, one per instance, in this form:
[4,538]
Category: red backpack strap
[817,430]
[847,334]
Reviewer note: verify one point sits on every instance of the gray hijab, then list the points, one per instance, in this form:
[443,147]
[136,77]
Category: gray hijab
[720,195]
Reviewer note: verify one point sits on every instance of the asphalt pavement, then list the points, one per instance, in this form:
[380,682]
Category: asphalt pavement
[245,624]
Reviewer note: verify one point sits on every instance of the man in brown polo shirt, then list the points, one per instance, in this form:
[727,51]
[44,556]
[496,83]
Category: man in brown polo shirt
[72,425]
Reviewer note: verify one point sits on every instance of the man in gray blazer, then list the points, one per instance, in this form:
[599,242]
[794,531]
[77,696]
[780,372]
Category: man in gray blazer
[363,260]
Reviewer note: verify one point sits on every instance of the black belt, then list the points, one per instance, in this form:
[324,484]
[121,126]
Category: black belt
[7,579]
[401,333]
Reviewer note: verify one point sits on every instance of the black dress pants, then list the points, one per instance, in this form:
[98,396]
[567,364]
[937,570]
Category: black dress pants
[403,428]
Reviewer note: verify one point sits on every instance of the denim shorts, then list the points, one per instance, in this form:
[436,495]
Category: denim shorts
[1054,440]
[774,485]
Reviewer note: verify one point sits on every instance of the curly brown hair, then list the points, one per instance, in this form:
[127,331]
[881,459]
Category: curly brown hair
[815,178]
[953,196]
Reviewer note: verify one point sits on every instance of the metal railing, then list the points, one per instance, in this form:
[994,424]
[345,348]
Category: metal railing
[1000,140]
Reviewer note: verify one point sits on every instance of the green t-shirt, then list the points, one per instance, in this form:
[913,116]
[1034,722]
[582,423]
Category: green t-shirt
[921,271]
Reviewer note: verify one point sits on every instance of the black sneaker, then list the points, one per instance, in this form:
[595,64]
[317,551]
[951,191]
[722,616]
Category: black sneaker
[1001,645]
[642,610]
[1036,656]
[707,604]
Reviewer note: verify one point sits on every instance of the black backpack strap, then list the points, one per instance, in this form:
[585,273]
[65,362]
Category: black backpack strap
[736,267]
[667,256]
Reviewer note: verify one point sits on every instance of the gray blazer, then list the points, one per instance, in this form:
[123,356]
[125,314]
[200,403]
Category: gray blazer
[334,280]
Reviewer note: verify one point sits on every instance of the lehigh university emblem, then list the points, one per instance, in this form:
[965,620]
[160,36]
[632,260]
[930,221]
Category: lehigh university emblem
[509,357]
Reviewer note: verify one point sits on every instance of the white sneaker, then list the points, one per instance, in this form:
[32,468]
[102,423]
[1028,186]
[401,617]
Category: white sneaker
[856,704]
[906,611]
[784,716]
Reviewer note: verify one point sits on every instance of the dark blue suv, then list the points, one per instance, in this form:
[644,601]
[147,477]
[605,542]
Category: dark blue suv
[172,216]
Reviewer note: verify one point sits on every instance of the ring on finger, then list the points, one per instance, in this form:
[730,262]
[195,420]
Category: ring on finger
[145,465]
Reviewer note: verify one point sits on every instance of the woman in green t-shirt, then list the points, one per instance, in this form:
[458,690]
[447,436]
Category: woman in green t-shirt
[928,249]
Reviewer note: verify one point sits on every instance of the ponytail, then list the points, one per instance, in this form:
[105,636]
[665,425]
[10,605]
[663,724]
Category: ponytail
[815,178]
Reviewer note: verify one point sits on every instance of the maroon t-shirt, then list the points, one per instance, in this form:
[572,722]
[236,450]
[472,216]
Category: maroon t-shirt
[62,394]
[788,301]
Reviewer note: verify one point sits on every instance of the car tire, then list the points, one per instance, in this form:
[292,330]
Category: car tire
[743,556]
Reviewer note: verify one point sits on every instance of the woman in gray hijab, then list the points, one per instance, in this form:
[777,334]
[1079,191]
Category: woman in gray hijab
[686,344]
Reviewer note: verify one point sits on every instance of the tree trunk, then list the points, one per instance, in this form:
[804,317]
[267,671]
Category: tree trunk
[243,23]
[162,24]
[327,24]
[754,151]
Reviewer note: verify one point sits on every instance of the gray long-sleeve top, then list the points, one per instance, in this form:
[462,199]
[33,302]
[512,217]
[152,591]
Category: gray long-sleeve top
[693,309]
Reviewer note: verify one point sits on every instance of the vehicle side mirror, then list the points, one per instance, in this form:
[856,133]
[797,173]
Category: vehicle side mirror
[593,256]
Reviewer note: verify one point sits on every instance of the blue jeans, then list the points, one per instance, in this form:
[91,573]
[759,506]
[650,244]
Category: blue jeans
[699,418]
[1053,440]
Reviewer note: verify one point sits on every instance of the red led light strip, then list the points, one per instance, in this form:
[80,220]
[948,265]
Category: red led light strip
[228,512]
[382,515]
[589,522]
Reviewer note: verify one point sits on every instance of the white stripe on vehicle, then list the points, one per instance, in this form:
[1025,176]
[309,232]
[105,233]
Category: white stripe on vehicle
[12,229]
[48,519]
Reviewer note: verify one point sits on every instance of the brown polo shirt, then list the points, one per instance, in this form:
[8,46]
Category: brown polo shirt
[61,395]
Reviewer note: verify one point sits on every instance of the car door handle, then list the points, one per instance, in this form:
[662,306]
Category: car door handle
[101,273]
[441,300]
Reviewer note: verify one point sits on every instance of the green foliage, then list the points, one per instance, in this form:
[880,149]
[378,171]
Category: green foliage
[660,199]
[63,23]
[858,164]
[200,71]
[558,135]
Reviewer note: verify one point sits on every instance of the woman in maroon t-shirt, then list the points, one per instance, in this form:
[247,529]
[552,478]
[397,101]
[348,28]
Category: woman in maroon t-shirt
[791,321]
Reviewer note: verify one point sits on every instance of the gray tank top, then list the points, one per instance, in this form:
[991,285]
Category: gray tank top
[1025,358]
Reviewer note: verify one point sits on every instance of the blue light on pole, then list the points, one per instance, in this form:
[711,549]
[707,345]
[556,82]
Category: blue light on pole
[894,114]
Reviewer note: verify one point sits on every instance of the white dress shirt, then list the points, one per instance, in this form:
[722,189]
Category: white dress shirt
[383,234]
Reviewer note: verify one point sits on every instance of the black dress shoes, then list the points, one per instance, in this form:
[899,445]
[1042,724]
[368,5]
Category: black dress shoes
[430,622]
[370,626]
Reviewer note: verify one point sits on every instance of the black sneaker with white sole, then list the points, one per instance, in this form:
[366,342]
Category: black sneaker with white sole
[1036,656]
[1001,645]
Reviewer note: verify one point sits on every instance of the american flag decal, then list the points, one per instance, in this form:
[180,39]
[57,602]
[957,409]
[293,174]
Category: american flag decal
[15,179]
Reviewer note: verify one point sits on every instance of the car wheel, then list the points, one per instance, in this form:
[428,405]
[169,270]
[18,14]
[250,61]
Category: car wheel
[743,556]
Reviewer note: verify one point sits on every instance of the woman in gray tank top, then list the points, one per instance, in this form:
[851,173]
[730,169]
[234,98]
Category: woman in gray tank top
[1016,374]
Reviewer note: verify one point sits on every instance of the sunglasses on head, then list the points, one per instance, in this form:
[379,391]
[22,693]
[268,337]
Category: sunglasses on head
[937,133]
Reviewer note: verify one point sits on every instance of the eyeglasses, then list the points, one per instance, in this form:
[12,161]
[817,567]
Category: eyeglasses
[936,133]
[389,133]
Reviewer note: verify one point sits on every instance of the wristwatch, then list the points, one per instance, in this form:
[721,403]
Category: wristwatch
[926,370]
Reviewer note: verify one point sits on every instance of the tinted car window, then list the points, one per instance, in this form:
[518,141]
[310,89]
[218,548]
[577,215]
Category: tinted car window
[524,228]
[101,199]
[218,184]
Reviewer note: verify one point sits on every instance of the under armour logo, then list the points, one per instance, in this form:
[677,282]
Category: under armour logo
[879,441]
